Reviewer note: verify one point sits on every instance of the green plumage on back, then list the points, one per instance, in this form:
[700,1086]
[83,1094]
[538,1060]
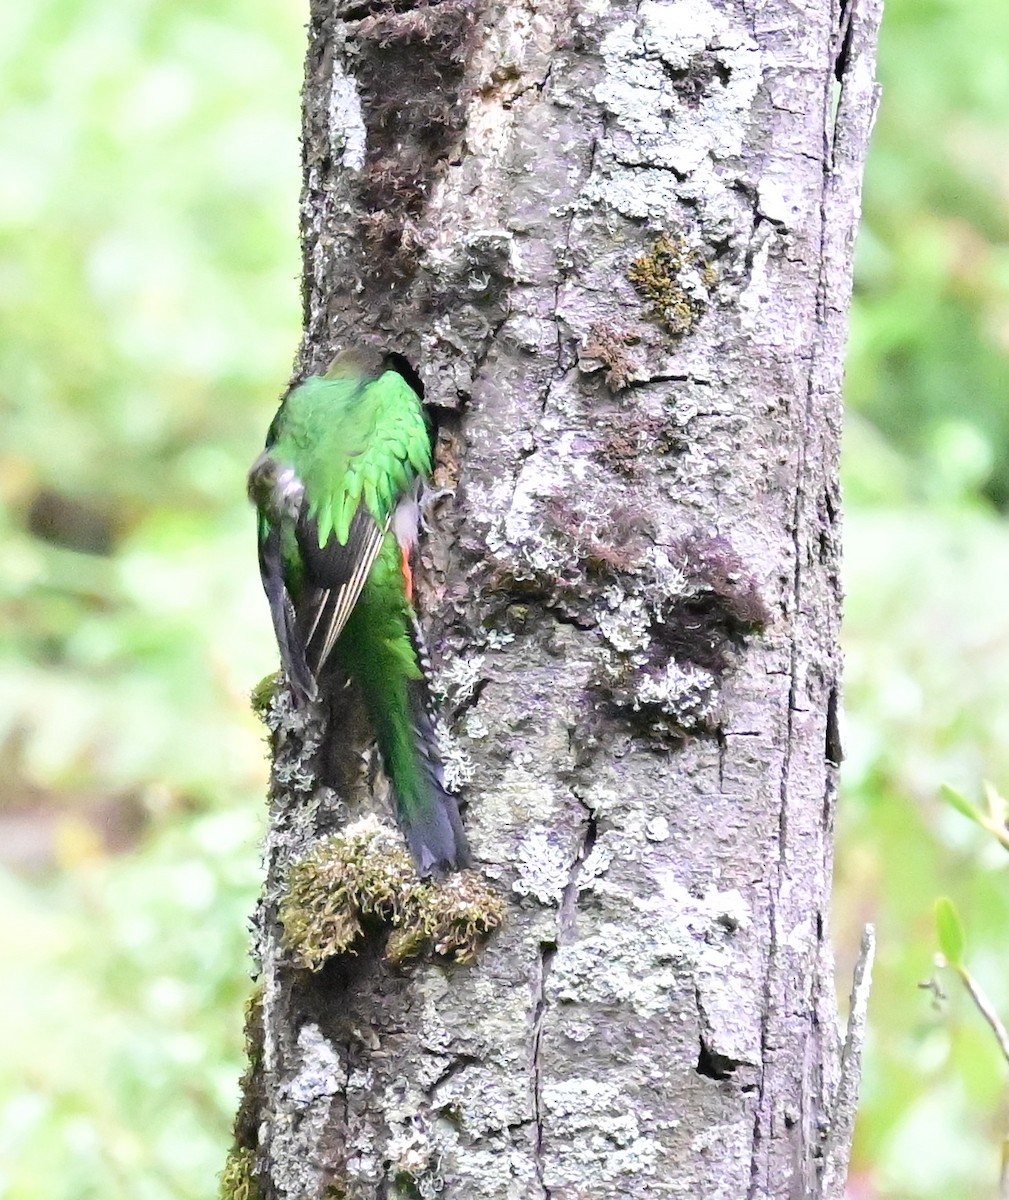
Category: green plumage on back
[336,489]
[351,439]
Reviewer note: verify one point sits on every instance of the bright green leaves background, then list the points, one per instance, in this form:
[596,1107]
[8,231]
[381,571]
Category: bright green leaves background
[149,313]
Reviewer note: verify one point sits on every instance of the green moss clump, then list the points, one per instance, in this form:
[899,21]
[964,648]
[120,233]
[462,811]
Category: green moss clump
[674,281]
[364,875]
[459,913]
[253,1053]
[359,872]
[238,1181]
[262,695]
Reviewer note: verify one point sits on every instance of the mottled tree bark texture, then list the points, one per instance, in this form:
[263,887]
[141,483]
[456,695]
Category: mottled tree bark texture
[615,240]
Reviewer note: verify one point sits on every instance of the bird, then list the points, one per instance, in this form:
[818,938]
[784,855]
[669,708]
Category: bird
[337,491]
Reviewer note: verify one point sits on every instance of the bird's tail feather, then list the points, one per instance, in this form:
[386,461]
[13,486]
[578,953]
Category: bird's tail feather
[428,813]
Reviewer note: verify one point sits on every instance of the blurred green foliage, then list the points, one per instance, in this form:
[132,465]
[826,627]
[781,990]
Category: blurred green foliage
[149,310]
[120,1038]
[926,472]
[928,357]
[927,646]
[148,313]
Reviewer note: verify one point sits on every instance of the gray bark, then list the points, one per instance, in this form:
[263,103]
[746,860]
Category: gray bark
[615,238]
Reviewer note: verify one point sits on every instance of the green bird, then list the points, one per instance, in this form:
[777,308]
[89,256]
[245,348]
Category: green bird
[337,491]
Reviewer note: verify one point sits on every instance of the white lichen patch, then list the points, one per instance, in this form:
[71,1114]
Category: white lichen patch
[524,532]
[604,1124]
[624,620]
[347,132]
[754,298]
[679,84]
[458,766]
[601,799]
[688,693]
[497,639]
[483,1101]
[458,680]
[475,727]
[724,986]
[580,1103]
[596,863]
[642,964]
[662,127]
[782,198]
[641,193]
[411,1153]
[513,53]
[319,1072]
[622,965]
[593,9]
[304,1109]
[728,1139]
[716,912]
[412,1150]
[543,866]
[677,32]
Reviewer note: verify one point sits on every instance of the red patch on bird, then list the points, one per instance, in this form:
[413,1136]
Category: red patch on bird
[407,572]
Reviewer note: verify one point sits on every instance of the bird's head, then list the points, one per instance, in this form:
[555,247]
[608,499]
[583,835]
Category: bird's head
[367,362]
[274,488]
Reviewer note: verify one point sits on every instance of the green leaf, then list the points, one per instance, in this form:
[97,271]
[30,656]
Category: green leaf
[960,803]
[950,930]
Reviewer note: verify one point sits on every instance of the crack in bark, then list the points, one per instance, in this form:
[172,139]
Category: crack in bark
[458,1063]
[346,1092]
[722,744]
[770,977]
[548,950]
[677,377]
[842,39]
[679,176]
[569,897]
[565,269]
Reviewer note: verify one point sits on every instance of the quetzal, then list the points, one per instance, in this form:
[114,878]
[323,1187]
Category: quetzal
[337,490]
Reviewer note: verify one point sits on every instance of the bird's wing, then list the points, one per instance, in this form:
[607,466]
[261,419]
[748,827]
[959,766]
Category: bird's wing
[285,625]
[375,444]
[336,574]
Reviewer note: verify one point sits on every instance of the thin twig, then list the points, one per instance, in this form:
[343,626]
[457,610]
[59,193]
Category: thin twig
[985,1008]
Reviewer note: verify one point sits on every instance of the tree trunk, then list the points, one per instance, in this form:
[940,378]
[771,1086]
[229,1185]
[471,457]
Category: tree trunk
[615,239]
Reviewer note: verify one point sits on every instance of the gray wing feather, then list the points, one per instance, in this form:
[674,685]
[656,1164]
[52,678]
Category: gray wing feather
[338,573]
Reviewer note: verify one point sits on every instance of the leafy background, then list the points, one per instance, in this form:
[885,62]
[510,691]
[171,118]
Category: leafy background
[148,314]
